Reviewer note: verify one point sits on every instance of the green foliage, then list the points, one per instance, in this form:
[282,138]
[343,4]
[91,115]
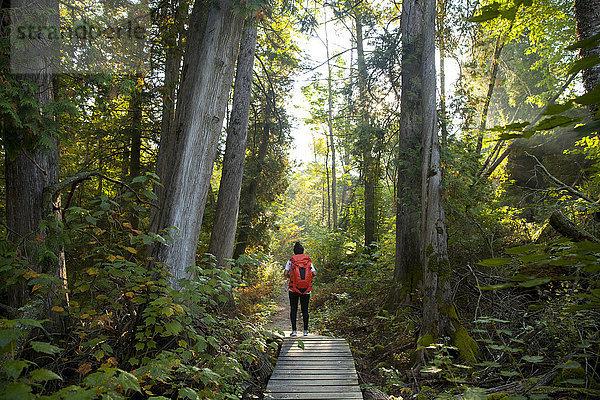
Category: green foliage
[129,332]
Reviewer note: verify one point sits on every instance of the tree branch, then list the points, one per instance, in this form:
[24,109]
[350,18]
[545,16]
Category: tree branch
[561,185]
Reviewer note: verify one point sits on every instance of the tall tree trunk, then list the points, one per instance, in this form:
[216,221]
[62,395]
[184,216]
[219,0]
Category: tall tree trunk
[408,259]
[135,135]
[369,170]
[210,56]
[328,185]
[172,35]
[249,192]
[330,130]
[434,250]
[442,51]
[439,314]
[222,238]
[587,18]
[29,171]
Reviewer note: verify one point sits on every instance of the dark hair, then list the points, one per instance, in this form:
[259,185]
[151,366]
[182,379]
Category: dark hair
[298,248]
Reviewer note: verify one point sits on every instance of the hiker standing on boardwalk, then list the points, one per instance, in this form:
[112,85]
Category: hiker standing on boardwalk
[300,270]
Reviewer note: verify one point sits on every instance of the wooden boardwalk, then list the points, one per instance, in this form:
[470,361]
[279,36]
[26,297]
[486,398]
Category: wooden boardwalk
[323,370]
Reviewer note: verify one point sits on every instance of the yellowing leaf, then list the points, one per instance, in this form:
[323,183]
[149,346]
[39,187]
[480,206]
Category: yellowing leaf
[92,271]
[178,308]
[57,309]
[130,294]
[131,250]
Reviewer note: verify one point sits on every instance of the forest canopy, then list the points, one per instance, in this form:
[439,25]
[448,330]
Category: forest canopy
[155,175]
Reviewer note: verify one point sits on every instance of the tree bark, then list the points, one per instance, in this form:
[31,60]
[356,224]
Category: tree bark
[434,242]
[587,19]
[440,317]
[30,170]
[213,44]
[249,192]
[334,211]
[222,238]
[568,229]
[408,258]
[369,170]
[173,39]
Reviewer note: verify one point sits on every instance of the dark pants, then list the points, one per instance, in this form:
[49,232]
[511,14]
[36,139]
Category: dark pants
[304,298]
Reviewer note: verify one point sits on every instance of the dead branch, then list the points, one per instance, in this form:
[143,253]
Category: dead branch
[561,185]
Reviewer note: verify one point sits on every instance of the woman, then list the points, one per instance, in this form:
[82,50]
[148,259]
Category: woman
[300,270]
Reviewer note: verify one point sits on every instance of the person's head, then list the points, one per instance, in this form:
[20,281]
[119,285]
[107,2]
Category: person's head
[298,248]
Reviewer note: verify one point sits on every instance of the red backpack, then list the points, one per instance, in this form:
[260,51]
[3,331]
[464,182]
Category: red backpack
[301,274]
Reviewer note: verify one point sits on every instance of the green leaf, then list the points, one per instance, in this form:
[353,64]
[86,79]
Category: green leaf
[592,268]
[43,375]
[172,328]
[509,373]
[475,393]
[574,381]
[8,336]
[488,12]
[592,97]
[188,393]
[553,122]
[569,365]
[497,287]
[587,43]
[17,391]
[522,249]
[128,381]
[585,63]
[533,359]
[213,342]
[44,347]
[149,194]
[492,364]
[138,179]
[31,322]
[91,220]
[553,109]
[495,262]
[535,282]
[533,257]
[14,368]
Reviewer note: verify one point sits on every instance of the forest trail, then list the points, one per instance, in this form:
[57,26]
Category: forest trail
[281,319]
[319,368]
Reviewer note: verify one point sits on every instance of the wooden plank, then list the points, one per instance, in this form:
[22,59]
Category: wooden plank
[308,357]
[314,389]
[323,370]
[313,396]
[314,382]
[316,370]
[336,375]
[313,354]
[300,366]
[348,363]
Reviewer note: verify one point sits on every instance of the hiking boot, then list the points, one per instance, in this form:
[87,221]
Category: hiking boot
[305,333]
[294,333]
